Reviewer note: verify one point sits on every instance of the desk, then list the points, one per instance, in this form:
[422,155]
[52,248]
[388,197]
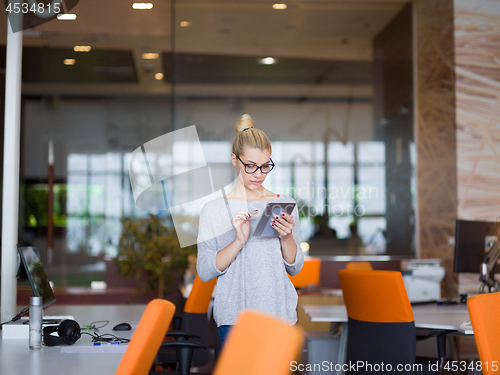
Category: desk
[426,316]
[17,359]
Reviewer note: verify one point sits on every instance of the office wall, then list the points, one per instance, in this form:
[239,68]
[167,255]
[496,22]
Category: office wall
[477,42]
[435,134]
[123,124]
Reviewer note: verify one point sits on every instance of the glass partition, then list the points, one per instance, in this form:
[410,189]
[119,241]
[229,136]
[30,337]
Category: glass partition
[100,87]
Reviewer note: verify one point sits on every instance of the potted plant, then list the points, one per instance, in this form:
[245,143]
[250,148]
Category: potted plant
[150,251]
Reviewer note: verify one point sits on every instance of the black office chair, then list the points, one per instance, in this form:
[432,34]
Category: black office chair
[381,327]
[182,353]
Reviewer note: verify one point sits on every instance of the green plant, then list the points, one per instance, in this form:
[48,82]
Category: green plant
[149,250]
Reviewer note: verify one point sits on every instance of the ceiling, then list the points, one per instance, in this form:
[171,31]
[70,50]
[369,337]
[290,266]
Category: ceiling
[324,48]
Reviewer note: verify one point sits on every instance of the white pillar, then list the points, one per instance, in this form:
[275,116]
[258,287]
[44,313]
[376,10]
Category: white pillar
[10,198]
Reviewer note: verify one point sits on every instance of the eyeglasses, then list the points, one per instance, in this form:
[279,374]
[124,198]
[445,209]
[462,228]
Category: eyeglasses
[252,168]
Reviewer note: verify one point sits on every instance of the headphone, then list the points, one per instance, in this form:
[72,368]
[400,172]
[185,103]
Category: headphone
[68,330]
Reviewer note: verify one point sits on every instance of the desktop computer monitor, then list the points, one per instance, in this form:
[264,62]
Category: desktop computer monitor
[473,240]
[37,277]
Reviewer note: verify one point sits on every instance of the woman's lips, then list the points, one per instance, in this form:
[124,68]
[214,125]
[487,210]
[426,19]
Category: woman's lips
[256,182]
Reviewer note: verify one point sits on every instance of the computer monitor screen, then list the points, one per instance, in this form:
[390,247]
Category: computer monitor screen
[473,239]
[37,277]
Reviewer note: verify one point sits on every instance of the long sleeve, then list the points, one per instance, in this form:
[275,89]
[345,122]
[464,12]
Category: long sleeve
[295,267]
[207,248]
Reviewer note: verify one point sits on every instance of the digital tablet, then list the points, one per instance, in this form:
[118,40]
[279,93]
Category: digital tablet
[264,228]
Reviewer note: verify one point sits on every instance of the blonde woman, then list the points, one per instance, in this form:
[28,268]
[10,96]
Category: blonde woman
[251,271]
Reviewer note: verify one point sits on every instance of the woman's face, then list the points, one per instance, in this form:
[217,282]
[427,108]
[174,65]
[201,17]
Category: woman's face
[252,156]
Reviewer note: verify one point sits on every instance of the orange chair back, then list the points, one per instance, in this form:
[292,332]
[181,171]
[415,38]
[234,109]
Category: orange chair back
[259,345]
[360,266]
[147,338]
[200,296]
[309,274]
[483,312]
[375,296]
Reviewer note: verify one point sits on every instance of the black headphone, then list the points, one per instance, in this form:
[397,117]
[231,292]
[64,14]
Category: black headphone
[68,330]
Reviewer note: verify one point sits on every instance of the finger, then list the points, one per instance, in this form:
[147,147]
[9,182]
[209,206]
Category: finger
[285,227]
[241,214]
[277,224]
[280,231]
[252,213]
[285,221]
[287,217]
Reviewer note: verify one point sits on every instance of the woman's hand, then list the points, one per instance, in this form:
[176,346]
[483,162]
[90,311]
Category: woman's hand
[242,226]
[284,225]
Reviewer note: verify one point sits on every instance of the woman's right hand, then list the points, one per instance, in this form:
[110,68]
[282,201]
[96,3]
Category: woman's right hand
[242,226]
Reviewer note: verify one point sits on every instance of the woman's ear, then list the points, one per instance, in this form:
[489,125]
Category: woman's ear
[233,159]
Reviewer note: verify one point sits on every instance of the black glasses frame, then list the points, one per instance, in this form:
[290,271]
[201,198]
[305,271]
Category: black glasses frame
[257,167]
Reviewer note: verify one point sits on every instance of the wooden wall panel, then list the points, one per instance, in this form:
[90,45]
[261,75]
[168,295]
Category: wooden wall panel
[477,55]
[436,134]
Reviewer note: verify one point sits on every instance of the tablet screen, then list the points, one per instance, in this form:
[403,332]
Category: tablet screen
[264,228]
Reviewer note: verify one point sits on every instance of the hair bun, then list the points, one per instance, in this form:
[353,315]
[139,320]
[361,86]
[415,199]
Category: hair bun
[244,123]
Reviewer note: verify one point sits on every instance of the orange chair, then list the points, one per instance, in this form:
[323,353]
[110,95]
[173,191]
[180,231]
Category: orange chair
[259,345]
[381,326]
[147,338]
[194,325]
[309,274]
[483,311]
[360,266]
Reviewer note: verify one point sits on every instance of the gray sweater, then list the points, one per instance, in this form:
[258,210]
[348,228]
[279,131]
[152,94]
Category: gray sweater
[256,279]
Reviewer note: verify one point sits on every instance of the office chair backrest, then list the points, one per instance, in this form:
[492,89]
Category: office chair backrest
[309,274]
[195,318]
[259,345]
[200,296]
[483,311]
[147,338]
[360,266]
[380,318]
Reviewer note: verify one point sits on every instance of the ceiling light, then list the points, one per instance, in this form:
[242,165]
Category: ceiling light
[159,76]
[150,56]
[66,17]
[82,48]
[185,24]
[69,61]
[142,5]
[268,61]
[279,6]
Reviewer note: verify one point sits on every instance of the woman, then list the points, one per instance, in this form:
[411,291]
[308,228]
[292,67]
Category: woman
[250,270]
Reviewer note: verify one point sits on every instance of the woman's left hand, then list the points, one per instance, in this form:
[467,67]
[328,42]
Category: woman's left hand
[283,225]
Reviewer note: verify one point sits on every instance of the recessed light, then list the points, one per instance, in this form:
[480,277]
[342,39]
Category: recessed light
[268,61]
[66,17]
[142,5]
[279,6]
[82,48]
[150,56]
[159,76]
[69,61]
[185,24]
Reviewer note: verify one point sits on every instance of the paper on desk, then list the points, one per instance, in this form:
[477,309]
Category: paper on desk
[94,349]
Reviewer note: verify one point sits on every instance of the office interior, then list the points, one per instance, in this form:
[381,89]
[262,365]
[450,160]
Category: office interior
[383,118]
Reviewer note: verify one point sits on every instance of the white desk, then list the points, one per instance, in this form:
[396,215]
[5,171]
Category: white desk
[17,359]
[426,316]
[441,317]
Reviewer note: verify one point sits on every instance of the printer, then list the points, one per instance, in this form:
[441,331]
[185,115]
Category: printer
[422,278]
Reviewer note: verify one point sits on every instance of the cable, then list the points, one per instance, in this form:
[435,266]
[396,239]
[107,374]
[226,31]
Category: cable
[24,312]
[102,338]
[93,325]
